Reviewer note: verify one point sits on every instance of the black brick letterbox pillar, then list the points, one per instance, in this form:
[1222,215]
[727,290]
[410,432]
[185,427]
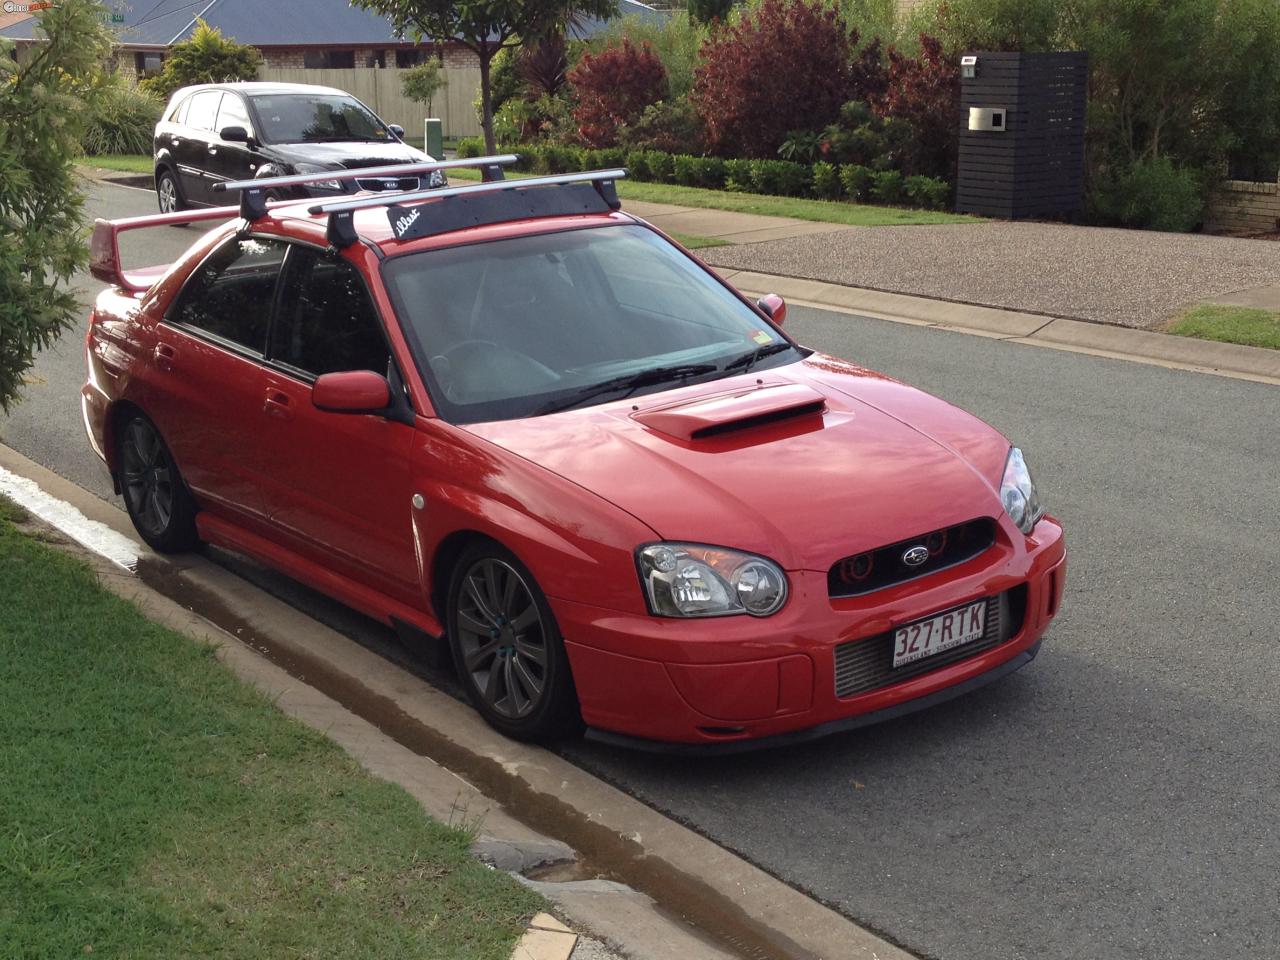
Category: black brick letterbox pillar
[1022,134]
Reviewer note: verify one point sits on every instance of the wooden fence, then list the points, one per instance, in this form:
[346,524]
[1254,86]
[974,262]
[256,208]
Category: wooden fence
[380,89]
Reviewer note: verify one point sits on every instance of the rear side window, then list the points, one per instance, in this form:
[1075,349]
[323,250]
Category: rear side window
[178,114]
[326,322]
[230,295]
[203,110]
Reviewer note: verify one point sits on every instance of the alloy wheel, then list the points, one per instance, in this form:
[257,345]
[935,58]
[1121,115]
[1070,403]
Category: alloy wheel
[502,638]
[146,477]
[168,194]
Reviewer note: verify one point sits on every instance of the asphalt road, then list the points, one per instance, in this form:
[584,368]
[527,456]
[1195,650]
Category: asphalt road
[1120,797]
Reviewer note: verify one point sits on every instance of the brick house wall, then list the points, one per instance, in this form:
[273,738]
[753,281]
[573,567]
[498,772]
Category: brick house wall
[1244,205]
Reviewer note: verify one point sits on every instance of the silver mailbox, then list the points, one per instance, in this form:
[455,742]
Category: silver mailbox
[987,118]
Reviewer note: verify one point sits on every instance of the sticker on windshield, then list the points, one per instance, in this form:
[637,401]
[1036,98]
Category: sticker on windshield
[759,336]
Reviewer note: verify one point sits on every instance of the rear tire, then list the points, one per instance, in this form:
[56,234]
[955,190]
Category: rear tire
[159,504]
[506,645]
[168,194]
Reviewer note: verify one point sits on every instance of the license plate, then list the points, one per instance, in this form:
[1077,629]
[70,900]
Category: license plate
[916,641]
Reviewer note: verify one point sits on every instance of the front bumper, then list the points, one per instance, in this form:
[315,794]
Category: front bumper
[743,681]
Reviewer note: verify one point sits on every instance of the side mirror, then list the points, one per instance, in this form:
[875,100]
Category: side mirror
[397,130]
[774,307]
[234,134]
[353,391]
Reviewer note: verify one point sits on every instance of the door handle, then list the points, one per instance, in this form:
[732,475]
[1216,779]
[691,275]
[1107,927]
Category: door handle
[277,405]
[173,142]
[212,151]
[164,355]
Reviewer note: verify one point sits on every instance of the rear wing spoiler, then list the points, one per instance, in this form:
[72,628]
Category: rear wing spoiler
[104,245]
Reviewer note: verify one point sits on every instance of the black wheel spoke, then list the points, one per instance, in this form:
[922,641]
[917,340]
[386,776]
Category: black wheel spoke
[526,619]
[530,684]
[476,591]
[532,652]
[481,655]
[509,681]
[473,624]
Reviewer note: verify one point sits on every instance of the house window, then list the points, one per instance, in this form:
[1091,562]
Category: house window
[412,57]
[375,58]
[329,59]
[148,64]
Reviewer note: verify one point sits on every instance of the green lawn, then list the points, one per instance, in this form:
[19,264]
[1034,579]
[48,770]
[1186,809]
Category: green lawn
[1253,328]
[823,211]
[694,242]
[152,805]
[126,162]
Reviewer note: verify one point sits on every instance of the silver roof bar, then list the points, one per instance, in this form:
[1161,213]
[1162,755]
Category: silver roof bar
[386,199]
[253,197]
[341,231]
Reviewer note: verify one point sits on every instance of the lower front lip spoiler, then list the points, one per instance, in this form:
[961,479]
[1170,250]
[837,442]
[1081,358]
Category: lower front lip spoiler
[722,748]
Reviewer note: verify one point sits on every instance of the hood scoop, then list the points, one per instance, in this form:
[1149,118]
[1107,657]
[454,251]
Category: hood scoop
[729,413]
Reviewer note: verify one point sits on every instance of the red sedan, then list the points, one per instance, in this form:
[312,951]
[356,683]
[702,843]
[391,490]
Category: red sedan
[513,416]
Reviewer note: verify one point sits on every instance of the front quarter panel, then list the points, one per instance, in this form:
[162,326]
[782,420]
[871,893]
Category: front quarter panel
[578,546]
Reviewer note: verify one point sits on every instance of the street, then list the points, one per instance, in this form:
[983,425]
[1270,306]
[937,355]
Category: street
[1120,796]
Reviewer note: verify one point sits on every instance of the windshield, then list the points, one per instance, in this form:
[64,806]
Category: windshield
[532,325]
[316,118]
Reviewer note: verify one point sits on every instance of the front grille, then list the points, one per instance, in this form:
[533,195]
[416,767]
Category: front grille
[884,566]
[388,183]
[865,665]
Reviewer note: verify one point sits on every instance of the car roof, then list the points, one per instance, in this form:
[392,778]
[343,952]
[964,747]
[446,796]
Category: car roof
[260,87]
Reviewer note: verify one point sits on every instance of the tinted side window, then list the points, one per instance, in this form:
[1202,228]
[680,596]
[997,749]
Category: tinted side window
[203,110]
[326,322]
[231,293]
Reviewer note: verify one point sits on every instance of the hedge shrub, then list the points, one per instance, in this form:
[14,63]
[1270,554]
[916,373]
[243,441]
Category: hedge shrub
[856,181]
[826,181]
[613,88]
[931,193]
[123,121]
[887,186]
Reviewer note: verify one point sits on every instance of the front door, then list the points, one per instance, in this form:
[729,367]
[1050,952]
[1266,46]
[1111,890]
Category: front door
[339,486]
[230,159]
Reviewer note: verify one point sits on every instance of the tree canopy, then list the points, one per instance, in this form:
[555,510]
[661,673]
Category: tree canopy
[45,103]
[485,27]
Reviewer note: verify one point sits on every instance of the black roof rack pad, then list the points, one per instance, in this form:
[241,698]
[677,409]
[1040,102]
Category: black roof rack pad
[479,209]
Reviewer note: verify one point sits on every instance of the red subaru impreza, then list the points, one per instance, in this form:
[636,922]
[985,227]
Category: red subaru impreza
[512,416]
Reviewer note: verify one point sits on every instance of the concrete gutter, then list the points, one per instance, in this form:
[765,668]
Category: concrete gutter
[1057,333]
[612,864]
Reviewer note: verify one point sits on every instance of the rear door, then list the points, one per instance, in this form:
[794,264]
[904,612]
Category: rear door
[339,484]
[210,378]
[197,139]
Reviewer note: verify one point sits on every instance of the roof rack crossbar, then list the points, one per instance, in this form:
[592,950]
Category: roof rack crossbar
[253,204]
[603,179]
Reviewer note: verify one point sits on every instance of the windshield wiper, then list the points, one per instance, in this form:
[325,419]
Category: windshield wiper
[748,360]
[630,383]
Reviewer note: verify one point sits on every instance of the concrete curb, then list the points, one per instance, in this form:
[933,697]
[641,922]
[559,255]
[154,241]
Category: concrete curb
[711,904]
[1058,333]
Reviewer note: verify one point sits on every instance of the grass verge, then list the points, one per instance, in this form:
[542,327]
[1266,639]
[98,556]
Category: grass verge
[694,242]
[1228,324]
[151,805]
[822,211]
[125,162]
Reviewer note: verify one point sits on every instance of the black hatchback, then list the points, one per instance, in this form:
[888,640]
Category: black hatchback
[239,131]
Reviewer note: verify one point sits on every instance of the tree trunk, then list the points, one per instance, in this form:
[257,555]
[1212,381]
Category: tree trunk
[486,99]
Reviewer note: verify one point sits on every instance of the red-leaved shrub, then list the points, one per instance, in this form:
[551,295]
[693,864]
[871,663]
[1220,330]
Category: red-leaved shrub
[784,67]
[613,87]
[924,92]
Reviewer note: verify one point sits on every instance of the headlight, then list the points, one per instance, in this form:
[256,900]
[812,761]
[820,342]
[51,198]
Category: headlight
[1018,493]
[690,580]
[436,179]
[319,184]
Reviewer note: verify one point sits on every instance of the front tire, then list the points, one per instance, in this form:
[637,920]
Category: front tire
[168,195]
[157,499]
[506,645]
